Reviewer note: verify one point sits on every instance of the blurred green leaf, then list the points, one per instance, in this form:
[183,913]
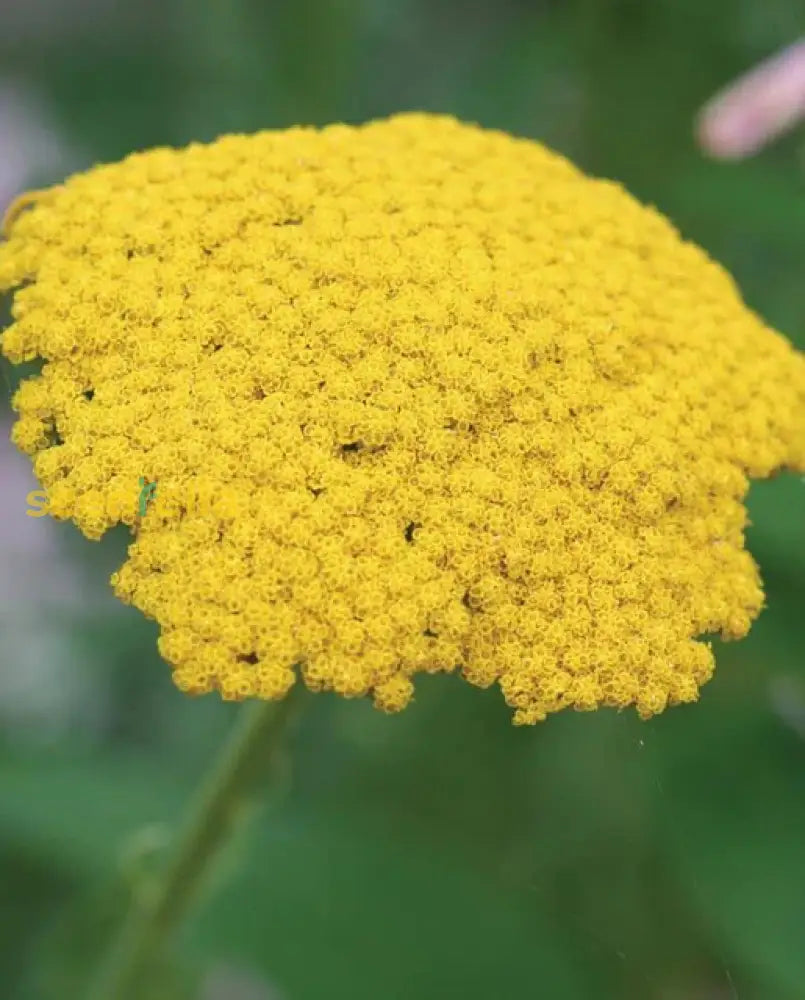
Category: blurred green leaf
[770,196]
[76,809]
[68,956]
[733,822]
[35,889]
[342,905]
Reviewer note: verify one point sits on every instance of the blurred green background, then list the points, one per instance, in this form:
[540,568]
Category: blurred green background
[441,853]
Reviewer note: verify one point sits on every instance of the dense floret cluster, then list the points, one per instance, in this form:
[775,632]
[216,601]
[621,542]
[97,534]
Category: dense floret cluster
[446,403]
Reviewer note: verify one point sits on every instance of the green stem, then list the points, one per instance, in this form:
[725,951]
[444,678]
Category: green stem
[252,746]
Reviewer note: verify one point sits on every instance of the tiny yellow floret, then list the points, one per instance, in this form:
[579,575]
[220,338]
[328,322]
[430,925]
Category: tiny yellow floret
[441,402]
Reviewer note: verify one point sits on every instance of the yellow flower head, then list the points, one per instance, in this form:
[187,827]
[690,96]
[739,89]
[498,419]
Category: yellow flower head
[416,396]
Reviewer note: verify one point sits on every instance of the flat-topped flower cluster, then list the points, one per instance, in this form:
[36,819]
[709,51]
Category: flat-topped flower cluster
[455,406]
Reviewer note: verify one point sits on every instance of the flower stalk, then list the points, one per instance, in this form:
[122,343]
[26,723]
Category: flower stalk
[212,818]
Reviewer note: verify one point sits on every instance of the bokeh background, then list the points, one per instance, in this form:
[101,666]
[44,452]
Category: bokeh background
[441,853]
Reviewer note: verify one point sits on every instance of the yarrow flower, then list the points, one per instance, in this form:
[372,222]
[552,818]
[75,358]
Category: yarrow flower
[450,405]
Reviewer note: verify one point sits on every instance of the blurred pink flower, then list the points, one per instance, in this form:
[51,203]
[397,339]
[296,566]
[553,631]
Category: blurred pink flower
[755,109]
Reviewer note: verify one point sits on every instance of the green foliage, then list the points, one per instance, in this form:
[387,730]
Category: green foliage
[80,935]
